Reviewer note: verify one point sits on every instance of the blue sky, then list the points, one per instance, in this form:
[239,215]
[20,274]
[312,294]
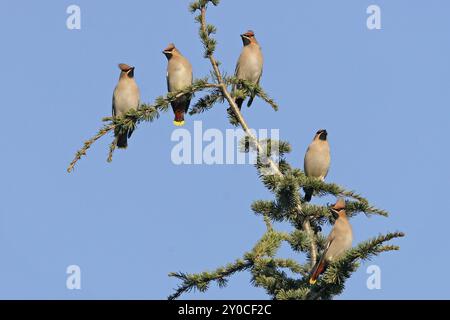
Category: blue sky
[383,95]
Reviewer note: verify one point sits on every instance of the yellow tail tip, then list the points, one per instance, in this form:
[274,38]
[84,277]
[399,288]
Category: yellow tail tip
[312,281]
[178,123]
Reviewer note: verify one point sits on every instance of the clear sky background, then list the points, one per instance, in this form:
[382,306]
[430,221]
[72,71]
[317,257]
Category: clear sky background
[383,96]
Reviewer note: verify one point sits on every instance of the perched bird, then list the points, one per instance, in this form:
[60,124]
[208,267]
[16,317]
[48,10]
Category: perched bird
[250,64]
[126,97]
[317,160]
[179,76]
[338,242]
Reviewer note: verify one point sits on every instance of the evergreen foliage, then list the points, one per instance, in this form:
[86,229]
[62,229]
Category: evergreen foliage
[280,277]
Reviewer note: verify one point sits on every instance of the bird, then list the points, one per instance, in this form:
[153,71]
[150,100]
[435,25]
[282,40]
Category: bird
[179,76]
[126,96]
[338,242]
[249,65]
[317,160]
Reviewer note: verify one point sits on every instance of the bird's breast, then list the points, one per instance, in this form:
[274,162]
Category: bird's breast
[126,97]
[179,77]
[250,66]
[317,161]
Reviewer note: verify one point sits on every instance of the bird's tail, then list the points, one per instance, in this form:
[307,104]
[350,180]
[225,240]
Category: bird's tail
[308,194]
[179,118]
[317,271]
[239,102]
[232,116]
[250,101]
[122,139]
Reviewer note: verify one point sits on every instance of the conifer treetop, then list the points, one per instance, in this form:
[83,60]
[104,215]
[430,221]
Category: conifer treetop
[282,278]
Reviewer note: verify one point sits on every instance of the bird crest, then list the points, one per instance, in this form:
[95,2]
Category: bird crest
[249,34]
[339,205]
[124,67]
[169,48]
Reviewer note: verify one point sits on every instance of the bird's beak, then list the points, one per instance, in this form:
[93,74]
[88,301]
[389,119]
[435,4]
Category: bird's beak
[244,36]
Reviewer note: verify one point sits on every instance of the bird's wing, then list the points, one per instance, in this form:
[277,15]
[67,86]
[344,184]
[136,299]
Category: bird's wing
[320,265]
[307,161]
[328,243]
[257,82]
[236,71]
[167,79]
[250,101]
[113,104]
[192,81]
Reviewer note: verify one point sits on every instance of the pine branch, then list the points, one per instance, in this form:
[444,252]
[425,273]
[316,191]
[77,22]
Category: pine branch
[299,241]
[265,268]
[88,144]
[209,43]
[202,281]
[352,208]
[322,188]
[266,246]
[285,182]
[292,265]
[267,275]
[293,294]
[205,32]
[286,190]
[207,102]
[248,88]
[145,112]
[332,281]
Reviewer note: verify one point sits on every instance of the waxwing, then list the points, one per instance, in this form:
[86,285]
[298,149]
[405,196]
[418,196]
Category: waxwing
[126,96]
[179,76]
